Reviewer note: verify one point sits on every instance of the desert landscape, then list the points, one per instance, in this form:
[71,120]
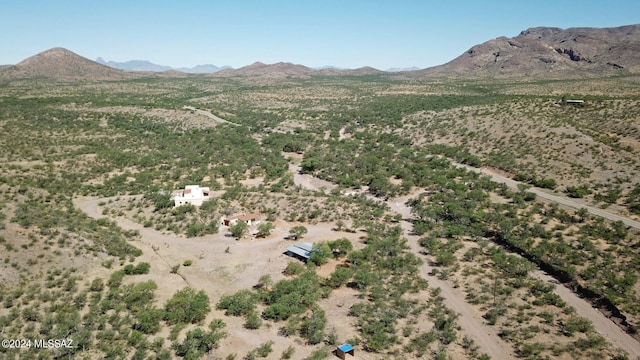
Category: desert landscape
[487,208]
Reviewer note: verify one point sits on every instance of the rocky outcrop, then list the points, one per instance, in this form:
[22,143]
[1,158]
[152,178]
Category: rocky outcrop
[553,52]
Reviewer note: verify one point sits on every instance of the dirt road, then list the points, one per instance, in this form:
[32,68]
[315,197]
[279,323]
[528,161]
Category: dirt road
[561,200]
[209,115]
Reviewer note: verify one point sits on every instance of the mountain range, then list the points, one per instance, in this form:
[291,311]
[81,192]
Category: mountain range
[144,65]
[539,51]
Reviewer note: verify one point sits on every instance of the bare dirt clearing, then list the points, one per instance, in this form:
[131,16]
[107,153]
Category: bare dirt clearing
[222,265]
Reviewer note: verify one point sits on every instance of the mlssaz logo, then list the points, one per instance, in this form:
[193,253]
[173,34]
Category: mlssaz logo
[53,343]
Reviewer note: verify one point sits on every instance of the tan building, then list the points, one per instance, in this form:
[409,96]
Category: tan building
[248,218]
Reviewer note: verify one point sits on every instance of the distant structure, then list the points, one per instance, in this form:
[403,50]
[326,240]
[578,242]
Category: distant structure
[565,101]
[248,218]
[192,194]
[345,349]
[300,251]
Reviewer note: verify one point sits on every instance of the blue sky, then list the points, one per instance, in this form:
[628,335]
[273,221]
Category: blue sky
[346,33]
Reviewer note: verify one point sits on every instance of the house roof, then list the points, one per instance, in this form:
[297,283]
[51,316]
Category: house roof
[301,249]
[305,246]
[193,192]
[243,217]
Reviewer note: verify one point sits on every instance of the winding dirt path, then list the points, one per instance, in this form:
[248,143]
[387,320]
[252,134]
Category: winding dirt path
[561,200]
[209,115]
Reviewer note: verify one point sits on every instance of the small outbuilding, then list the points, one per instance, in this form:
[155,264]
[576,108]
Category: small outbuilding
[300,251]
[345,349]
[248,218]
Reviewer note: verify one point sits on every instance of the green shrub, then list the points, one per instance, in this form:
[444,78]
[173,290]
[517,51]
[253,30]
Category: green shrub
[148,320]
[139,296]
[264,349]
[187,306]
[573,324]
[312,328]
[577,191]
[142,268]
[340,247]
[265,229]
[96,285]
[297,232]
[288,353]
[319,354]
[238,229]
[339,277]
[293,268]
[253,321]
[196,229]
[116,279]
[241,303]
[199,342]
[320,254]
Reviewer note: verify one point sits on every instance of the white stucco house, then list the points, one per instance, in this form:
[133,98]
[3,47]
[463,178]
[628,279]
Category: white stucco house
[192,194]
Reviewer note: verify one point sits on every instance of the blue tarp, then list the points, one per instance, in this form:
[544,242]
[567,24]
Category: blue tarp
[345,348]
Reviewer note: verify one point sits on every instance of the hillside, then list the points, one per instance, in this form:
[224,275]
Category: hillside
[545,51]
[62,64]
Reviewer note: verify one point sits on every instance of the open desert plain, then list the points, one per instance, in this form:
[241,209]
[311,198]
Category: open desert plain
[488,208]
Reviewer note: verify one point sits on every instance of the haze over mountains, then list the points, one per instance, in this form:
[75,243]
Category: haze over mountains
[144,65]
[540,51]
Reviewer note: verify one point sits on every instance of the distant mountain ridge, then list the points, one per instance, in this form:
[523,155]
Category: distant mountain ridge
[538,52]
[144,65]
[289,70]
[549,51]
[276,70]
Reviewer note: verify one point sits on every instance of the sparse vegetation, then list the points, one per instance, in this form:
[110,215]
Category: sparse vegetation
[121,144]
